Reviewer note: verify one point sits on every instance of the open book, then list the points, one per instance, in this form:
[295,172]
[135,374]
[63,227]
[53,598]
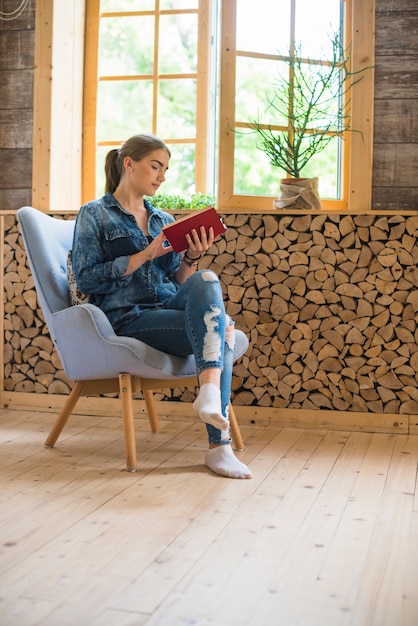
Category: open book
[206,217]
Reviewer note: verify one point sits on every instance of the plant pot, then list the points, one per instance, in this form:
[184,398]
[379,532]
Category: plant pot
[298,193]
[292,181]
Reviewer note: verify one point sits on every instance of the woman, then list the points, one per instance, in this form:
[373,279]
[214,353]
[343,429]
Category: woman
[122,259]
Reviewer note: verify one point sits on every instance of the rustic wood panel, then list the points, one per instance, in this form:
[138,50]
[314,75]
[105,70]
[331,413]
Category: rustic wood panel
[395,170]
[395,121]
[395,165]
[15,168]
[16,128]
[329,303]
[395,198]
[16,105]
[388,23]
[404,6]
[16,49]
[16,88]
[24,21]
[13,199]
[396,77]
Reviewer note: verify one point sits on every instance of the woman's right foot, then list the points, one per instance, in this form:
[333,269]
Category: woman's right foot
[223,461]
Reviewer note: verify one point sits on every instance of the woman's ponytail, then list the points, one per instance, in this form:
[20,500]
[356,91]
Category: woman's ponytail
[112,170]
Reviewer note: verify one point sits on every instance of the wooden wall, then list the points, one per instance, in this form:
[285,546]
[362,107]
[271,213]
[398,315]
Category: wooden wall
[395,167]
[395,189]
[395,164]
[16,104]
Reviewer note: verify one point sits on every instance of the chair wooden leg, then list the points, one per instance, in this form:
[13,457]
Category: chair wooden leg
[151,409]
[125,388]
[65,413]
[235,429]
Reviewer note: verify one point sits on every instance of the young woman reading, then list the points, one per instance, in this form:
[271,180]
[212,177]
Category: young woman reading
[122,259]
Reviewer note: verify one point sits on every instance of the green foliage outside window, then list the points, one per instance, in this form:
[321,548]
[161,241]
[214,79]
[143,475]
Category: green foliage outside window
[169,202]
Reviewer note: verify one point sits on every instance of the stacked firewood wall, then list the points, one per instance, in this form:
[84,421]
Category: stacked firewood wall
[328,302]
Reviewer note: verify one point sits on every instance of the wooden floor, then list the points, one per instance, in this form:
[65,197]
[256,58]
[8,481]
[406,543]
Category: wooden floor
[325,534]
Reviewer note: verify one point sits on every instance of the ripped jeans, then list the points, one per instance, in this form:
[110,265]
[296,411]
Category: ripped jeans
[193,322]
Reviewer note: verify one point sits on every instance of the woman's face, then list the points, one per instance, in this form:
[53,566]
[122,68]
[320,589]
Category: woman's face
[148,173]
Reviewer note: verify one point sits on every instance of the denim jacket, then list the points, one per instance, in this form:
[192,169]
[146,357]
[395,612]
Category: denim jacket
[105,236]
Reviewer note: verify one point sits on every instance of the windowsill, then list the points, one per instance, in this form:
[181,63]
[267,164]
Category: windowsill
[278,212]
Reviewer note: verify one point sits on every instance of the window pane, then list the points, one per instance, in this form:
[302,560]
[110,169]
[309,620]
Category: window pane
[263,26]
[178,4]
[315,27]
[180,178]
[177,109]
[126,5]
[180,56]
[126,46]
[263,88]
[255,79]
[253,174]
[124,108]
[325,166]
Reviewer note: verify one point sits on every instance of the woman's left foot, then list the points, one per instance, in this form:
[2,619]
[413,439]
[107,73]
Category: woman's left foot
[208,405]
[223,461]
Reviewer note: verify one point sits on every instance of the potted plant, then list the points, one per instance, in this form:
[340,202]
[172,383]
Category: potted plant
[313,96]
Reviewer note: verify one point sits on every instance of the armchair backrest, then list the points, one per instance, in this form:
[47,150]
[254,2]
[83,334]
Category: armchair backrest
[47,241]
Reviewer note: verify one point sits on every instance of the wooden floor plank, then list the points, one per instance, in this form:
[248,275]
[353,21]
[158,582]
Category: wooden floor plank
[248,539]
[145,593]
[163,509]
[111,617]
[325,534]
[43,514]
[18,610]
[335,592]
[31,522]
[293,581]
[392,557]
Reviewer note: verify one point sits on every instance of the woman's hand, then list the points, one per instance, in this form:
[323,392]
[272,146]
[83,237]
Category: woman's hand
[155,249]
[199,243]
[158,247]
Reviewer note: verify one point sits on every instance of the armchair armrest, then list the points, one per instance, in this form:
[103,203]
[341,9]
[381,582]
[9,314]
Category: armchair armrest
[103,354]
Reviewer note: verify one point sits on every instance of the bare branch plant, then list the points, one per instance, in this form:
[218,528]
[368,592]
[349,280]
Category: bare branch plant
[314,97]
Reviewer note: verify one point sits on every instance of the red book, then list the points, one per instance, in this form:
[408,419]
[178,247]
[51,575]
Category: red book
[207,217]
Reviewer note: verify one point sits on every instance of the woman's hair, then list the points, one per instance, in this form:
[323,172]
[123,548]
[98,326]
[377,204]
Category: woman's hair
[137,147]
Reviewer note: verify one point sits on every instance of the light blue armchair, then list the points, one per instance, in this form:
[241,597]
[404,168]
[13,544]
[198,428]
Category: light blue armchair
[98,360]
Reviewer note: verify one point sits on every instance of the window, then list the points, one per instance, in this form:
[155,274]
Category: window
[248,63]
[156,70]
[267,87]
[152,76]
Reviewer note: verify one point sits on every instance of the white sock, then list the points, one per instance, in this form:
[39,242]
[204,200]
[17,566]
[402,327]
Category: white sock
[208,405]
[223,461]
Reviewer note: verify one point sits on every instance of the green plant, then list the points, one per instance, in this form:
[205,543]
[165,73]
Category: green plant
[313,96]
[194,201]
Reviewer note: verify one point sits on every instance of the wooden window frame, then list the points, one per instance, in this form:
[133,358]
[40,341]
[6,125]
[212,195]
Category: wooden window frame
[201,76]
[58,105]
[358,146]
